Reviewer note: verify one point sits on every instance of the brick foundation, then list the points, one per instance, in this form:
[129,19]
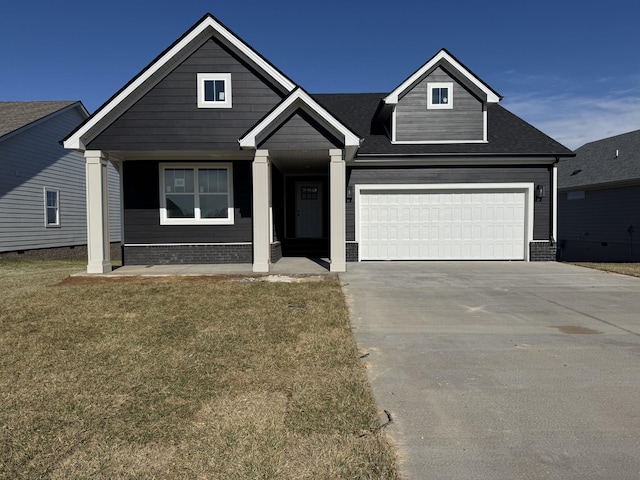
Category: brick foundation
[352,251]
[543,251]
[187,254]
[276,251]
[74,252]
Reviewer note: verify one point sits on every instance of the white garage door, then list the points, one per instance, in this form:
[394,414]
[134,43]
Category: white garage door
[442,225]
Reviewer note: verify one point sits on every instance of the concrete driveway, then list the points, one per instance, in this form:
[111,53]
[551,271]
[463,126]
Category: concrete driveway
[503,370]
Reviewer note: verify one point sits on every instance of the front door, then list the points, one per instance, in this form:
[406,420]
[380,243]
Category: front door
[308,209]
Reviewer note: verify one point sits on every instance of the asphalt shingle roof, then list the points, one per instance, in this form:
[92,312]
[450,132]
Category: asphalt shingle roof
[596,163]
[508,134]
[15,115]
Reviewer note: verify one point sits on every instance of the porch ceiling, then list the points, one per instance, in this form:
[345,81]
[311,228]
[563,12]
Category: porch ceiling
[300,161]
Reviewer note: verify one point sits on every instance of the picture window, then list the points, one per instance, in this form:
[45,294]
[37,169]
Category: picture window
[196,194]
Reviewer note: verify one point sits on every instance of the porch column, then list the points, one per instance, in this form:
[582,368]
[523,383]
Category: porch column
[98,245]
[337,199]
[261,204]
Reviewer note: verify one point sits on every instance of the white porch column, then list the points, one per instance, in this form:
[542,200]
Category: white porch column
[337,199]
[98,244]
[261,206]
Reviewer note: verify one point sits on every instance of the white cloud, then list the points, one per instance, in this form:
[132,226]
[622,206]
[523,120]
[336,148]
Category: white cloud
[576,120]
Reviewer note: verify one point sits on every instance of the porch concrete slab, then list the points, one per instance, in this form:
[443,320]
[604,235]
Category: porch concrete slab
[503,370]
[285,266]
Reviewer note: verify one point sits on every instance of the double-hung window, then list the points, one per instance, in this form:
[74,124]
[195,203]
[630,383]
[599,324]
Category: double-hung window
[196,194]
[51,207]
[440,95]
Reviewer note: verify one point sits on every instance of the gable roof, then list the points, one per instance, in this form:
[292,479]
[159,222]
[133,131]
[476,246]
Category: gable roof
[613,160]
[17,115]
[299,99]
[509,135]
[204,29]
[444,58]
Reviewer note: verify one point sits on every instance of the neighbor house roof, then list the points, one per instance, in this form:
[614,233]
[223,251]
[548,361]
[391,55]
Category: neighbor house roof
[508,134]
[613,160]
[16,115]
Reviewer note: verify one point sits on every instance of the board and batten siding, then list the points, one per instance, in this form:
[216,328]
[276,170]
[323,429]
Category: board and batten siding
[464,174]
[168,118]
[414,122]
[32,160]
[142,209]
[594,226]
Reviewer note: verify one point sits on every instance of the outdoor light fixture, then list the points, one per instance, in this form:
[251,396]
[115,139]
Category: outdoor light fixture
[349,193]
[540,192]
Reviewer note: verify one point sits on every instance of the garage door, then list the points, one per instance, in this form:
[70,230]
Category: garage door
[442,225]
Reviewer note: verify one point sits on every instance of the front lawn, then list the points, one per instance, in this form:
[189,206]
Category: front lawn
[190,377]
[632,269]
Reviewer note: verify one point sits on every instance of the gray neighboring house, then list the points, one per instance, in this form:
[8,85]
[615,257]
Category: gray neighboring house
[599,201]
[42,185]
[224,159]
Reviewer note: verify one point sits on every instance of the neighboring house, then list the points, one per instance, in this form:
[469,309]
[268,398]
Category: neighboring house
[599,201]
[42,185]
[225,159]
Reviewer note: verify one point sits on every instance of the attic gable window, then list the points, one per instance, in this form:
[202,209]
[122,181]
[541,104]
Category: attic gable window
[214,90]
[439,95]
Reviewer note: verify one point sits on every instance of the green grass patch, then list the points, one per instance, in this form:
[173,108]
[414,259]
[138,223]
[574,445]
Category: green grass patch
[181,378]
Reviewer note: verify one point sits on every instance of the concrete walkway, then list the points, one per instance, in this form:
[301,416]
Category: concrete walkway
[498,370]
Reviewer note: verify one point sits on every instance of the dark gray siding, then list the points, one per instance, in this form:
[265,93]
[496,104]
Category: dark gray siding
[142,209]
[465,174]
[414,122]
[300,132]
[168,117]
[596,228]
[32,160]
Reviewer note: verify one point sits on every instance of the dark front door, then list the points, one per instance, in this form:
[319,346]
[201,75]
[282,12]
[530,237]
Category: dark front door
[308,206]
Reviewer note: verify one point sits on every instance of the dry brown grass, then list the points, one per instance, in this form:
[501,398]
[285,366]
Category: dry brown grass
[631,269]
[193,378]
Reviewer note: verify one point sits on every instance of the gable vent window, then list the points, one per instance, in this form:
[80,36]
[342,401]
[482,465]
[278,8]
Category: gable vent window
[440,95]
[214,90]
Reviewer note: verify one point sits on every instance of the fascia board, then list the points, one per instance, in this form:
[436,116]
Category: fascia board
[394,96]
[298,99]
[76,140]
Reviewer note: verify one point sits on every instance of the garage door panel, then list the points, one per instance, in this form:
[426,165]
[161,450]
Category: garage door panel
[442,225]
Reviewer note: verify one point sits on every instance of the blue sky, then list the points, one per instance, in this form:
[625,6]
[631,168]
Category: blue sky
[569,67]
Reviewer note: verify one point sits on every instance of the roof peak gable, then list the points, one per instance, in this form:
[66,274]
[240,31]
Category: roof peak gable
[300,99]
[207,27]
[443,57]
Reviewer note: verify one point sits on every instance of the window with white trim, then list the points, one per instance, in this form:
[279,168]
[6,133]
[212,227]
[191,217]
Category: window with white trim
[51,207]
[214,90]
[194,194]
[440,95]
